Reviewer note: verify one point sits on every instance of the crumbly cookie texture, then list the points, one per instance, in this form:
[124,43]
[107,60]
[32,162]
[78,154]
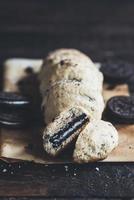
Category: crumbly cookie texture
[15,70]
[63,130]
[58,55]
[70,72]
[64,94]
[69,64]
[95,142]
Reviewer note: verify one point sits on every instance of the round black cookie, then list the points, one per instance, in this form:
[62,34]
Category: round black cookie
[19,120]
[14,119]
[117,72]
[17,110]
[120,110]
[13,100]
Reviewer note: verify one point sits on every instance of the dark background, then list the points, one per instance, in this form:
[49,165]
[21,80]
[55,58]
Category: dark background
[100,28]
[31,28]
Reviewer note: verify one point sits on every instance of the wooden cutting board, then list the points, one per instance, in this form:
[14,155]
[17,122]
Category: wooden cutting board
[26,144]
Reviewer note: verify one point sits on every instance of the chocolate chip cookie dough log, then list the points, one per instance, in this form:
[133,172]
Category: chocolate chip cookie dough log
[68,78]
[69,64]
[63,130]
[62,67]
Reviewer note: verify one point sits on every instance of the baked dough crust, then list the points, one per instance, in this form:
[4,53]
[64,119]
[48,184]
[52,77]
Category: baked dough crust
[95,142]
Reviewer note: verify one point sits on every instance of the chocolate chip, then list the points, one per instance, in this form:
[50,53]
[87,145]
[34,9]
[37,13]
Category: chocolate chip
[14,119]
[68,130]
[29,70]
[62,62]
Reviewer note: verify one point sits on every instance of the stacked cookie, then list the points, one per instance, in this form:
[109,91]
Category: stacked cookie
[20,95]
[70,81]
[14,110]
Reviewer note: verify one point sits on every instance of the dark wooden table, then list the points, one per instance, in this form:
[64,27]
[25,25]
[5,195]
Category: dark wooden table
[102,29]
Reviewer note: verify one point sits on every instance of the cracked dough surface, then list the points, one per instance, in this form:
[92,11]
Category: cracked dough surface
[69,64]
[64,94]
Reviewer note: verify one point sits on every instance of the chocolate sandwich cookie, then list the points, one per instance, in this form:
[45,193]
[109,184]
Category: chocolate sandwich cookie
[63,130]
[117,72]
[120,110]
[13,100]
[15,110]
[19,120]
[14,119]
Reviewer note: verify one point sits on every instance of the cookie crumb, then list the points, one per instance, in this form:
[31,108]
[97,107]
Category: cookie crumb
[97,169]
[19,166]
[4,170]
[66,168]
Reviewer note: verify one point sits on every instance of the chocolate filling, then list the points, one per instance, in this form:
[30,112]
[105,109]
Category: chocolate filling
[68,130]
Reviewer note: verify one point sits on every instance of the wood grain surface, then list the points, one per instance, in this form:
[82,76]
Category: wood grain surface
[102,29]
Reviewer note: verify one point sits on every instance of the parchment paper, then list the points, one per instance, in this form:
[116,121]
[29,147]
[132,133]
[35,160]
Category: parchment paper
[26,144]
